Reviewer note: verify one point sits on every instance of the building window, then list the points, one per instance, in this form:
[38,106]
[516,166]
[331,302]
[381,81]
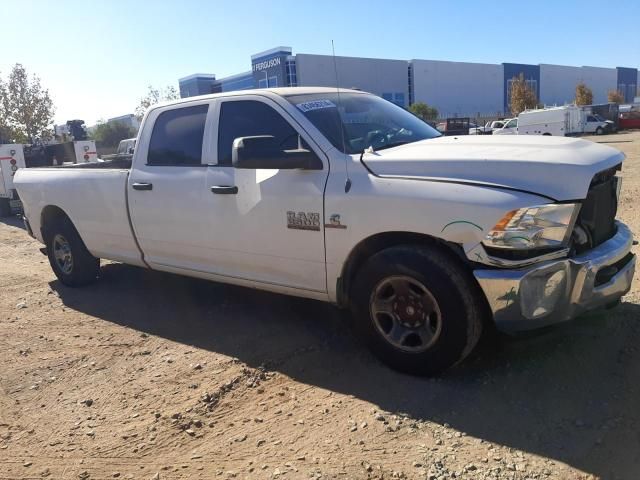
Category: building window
[410,83]
[388,96]
[292,74]
[628,91]
[238,83]
[399,99]
[270,83]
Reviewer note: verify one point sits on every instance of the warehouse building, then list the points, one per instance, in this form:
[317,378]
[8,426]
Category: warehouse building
[454,88]
[457,87]
[279,68]
[195,84]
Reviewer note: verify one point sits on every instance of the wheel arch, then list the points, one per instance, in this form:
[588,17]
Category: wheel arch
[49,215]
[380,241]
[84,265]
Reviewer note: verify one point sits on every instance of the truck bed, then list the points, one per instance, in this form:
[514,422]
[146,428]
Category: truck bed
[113,163]
[93,195]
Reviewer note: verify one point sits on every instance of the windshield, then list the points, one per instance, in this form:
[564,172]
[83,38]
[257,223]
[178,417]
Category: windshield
[363,120]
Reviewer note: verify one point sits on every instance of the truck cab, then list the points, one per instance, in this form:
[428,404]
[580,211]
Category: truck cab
[509,127]
[124,152]
[594,123]
[126,146]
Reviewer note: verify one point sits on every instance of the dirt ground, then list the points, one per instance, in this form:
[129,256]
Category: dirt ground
[147,375]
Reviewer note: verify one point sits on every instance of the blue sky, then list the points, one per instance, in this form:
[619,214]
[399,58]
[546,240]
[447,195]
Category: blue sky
[97,56]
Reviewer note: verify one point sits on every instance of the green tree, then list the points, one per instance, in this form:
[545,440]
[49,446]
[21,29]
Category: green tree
[614,96]
[155,95]
[109,134]
[522,95]
[584,95]
[27,109]
[5,132]
[424,111]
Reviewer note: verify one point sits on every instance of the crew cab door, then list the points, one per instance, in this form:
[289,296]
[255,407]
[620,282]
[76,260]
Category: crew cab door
[167,191]
[267,223]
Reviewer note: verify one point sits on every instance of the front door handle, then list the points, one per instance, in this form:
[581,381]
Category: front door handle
[142,186]
[224,189]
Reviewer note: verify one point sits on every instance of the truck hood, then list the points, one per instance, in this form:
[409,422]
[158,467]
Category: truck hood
[556,167]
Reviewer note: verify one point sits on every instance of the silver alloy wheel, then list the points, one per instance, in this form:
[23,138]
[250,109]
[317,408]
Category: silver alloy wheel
[405,313]
[62,254]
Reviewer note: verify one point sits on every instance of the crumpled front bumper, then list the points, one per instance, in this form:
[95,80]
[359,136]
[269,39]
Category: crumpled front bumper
[560,290]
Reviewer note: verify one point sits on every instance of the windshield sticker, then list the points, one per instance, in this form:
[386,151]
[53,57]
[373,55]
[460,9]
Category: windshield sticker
[315,105]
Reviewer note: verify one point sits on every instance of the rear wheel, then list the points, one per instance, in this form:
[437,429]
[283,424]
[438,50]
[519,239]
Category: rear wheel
[69,258]
[417,309]
[5,207]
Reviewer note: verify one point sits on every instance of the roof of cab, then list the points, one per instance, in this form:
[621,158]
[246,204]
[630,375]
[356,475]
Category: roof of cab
[280,91]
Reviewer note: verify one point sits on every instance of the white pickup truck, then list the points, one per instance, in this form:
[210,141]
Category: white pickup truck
[346,198]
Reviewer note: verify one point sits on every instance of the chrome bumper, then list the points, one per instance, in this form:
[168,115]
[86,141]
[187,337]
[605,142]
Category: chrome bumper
[560,290]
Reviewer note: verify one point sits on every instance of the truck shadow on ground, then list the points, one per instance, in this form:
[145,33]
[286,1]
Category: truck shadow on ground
[569,393]
[13,220]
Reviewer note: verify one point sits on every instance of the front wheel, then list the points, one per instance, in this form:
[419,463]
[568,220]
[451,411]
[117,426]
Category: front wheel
[69,258]
[417,309]
[599,131]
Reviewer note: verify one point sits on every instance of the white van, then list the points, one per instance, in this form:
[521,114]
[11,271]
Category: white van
[11,159]
[557,121]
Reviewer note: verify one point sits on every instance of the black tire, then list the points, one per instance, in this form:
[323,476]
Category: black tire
[5,207]
[546,134]
[63,239]
[599,131]
[457,305]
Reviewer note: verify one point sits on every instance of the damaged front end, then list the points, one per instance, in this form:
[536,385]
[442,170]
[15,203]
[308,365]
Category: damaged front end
[593,269]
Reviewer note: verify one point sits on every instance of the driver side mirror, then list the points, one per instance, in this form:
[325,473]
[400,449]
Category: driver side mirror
[263,151]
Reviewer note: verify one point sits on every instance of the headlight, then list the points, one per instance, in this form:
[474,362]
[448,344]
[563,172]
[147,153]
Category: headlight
[542,226]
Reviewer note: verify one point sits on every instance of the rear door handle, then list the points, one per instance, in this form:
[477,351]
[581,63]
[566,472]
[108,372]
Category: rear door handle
[142,186]
[224,189]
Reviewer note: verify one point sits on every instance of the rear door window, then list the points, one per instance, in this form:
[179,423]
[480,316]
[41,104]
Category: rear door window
[177,137]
